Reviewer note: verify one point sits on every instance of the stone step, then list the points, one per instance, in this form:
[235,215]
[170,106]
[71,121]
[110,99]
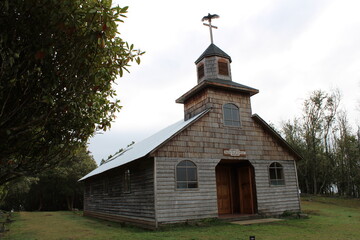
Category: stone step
[239,217]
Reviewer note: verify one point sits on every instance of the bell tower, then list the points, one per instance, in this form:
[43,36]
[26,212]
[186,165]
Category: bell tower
[215,87]
[214,63]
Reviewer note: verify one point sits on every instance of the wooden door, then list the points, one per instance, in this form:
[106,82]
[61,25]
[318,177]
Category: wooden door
[246,190]
[223,187]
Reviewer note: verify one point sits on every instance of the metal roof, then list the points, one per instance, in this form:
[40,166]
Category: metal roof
[213,50]
[148,145]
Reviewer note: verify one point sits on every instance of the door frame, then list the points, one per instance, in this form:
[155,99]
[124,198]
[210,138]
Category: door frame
[236,195]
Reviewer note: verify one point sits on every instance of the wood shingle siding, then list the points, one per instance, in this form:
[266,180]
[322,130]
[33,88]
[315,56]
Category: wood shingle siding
[204,142]
[137,206]
[183,204]
[231,161]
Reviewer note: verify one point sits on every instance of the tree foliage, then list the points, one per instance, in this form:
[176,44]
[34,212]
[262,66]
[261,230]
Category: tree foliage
[54,189]
[331,152]
[58,63]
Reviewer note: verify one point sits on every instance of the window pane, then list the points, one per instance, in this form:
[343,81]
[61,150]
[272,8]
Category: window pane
[231,115]
[227,113]
[186,174]
[190,163]
[272,173]
[182,163]
[229,123]
[276,174]
[235,115]
[279,173]
[181,185]
[192,185]
[181,174]
[235,123]
[191,173]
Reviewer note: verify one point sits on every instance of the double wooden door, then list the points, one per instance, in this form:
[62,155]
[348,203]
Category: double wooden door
[235,191]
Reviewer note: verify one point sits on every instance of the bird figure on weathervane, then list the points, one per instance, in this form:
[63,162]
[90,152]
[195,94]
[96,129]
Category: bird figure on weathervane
[208,18]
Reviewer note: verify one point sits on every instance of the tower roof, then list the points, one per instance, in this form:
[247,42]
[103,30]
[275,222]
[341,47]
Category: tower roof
[217,84]
[213,50]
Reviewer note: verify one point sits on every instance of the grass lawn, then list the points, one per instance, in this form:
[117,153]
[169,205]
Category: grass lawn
[330,218]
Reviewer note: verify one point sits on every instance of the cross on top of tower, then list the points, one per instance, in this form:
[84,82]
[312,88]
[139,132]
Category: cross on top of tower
[208,18]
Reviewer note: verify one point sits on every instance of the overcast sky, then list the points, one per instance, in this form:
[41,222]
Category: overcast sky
[286,49]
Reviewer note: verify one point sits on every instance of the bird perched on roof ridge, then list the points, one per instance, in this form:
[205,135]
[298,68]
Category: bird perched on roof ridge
[209,17]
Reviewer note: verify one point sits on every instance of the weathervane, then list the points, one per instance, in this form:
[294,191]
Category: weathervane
[208,18]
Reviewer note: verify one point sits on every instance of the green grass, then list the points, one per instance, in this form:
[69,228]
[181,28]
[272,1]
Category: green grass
[329,218]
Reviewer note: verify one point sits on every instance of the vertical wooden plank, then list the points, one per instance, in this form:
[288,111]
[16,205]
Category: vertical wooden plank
[297,184]
[155,193]
[223,189]
[246,193]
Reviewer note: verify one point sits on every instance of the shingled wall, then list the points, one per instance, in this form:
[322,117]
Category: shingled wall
[204,143]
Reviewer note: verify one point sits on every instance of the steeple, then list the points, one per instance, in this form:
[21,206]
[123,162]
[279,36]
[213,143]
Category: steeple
[214,79]
[214,63]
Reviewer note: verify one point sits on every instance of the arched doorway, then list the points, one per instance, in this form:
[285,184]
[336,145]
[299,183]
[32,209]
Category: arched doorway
[235,186]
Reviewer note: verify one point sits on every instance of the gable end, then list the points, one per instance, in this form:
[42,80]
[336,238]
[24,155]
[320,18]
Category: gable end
[276,135]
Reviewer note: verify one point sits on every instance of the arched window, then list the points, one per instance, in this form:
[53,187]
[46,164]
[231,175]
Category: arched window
[231,115]
[186,175]
[276,173]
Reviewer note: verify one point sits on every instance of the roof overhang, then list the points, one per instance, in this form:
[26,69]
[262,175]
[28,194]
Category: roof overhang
[219,84]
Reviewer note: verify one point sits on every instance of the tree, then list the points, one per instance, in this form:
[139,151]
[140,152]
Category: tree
[310,136]
[347,171]
[53,189]
[58,61]
[319,115]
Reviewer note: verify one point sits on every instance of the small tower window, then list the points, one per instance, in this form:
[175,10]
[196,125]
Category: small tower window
[186,175]
[223,68]
[231,115]
[276,174]
[200,71]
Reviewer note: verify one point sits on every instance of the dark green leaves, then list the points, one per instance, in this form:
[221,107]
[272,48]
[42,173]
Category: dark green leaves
[57,69]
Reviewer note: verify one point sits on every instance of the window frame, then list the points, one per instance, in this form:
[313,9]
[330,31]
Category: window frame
[106,186]
[223,67]
[126,188]
[277,168]
[233,119]
[201,70]
[187,181]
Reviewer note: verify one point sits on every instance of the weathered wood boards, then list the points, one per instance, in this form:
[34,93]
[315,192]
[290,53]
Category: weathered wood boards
[231,161]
